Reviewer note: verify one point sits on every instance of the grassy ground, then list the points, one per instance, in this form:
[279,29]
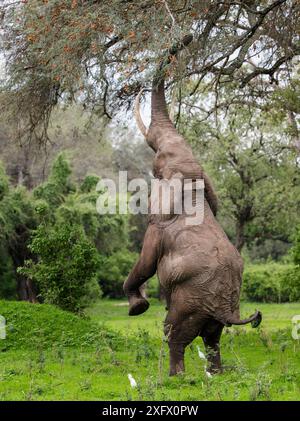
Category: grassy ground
[115,315]
[50,354]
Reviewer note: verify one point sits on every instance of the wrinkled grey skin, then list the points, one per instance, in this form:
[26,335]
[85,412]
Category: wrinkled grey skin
[197,266]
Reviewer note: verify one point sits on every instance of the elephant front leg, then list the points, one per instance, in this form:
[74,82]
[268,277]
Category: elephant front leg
[144,269]
[137,303]
[132,288]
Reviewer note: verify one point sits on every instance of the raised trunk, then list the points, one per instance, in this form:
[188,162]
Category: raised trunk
[173,154]
[159,111]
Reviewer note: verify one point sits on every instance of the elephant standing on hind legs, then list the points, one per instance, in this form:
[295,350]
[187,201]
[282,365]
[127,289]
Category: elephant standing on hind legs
[197,266]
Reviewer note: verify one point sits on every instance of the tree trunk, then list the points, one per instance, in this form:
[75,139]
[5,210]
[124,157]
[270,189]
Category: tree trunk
[19,253]
[239,236]
[26,291]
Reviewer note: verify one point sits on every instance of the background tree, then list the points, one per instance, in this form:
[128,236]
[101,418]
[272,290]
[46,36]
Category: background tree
[84,138]
[251,158]
[59,247]
[16,221]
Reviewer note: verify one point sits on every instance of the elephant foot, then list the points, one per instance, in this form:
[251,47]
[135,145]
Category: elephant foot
[215,370]
[179,369]
[137,306]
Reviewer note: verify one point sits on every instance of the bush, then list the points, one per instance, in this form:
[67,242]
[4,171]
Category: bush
[296,248]
[66,268]
[292,284]
[152,289]
[114,270]
[271,282]
[89,184]
[293,279]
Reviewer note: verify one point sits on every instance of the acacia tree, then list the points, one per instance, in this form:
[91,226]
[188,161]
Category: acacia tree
[102,51]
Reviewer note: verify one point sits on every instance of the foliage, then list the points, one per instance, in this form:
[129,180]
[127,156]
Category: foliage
[114,270]
[67,264]
[253,164]
[74,245]
[264,249]
[271,283]
[89,184]
[15,209]
[296,247]
[3,183]
[8,285]
[103,53]
[153,287]
[293,281]
[58,184]
[63,239]
[292,285]
[17,219]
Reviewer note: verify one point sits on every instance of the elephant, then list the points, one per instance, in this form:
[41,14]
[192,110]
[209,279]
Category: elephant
[198,268]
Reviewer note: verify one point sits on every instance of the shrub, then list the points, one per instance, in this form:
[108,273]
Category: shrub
[271,282]
[292,284]
[293,279]
[153,287]
[67,265]
[114,270]
[89,184]
[296,247]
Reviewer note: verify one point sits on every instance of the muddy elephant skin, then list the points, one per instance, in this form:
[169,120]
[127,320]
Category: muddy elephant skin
[197,266]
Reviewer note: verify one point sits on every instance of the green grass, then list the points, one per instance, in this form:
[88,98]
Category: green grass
[29,326]
[53,355]
[114,314]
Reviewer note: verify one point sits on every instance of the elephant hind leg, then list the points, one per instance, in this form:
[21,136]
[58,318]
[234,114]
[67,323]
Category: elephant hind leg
[211,335]
[180,333]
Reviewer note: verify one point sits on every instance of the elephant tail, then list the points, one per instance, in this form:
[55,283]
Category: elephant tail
[255,320]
